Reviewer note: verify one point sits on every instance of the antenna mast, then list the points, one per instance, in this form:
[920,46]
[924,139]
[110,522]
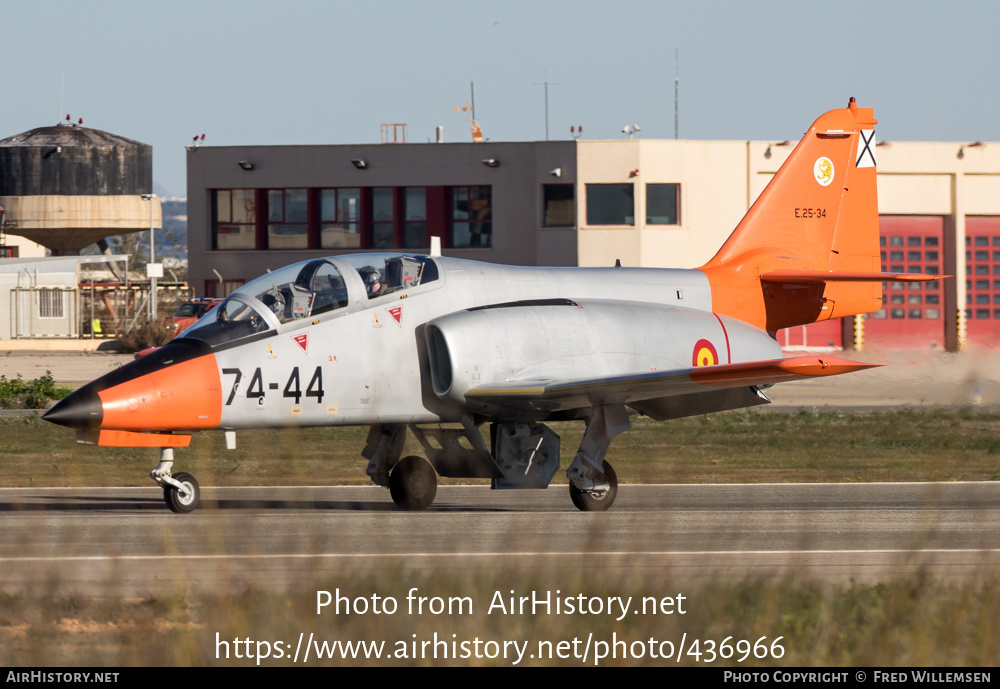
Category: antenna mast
[677,81]
[546,85]
[477,132]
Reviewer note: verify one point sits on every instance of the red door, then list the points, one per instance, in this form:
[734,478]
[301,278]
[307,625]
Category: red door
[982,280]
[913,315]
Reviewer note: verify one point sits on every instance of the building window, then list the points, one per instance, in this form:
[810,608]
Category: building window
[471,211]
[415,218]
[345,218]
[559,210]
[8,251]
[234,219]
[50,303]
[287,214]
[340,218]
[383,235]
[610,204]
[662,201]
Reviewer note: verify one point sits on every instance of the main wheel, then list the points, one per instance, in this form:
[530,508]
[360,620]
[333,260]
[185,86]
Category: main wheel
[186,501]
[596,502]
[413,483]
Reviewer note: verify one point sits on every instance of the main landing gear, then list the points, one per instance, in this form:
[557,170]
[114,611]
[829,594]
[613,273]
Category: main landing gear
[522,455]
[180,491]
[413,483]
[596,500]
[412,480]
[593,484]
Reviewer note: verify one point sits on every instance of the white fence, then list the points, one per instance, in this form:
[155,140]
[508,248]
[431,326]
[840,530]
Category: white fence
[90,311]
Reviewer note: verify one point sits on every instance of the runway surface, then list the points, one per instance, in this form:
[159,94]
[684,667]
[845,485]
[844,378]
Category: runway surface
[118,541]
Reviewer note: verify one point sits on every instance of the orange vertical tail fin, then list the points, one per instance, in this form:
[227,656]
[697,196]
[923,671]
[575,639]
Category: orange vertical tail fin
[808,248]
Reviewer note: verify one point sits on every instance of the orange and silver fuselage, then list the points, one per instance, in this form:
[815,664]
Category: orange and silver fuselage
[174,388]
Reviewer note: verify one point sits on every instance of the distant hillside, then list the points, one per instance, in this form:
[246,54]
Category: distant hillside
[172,241]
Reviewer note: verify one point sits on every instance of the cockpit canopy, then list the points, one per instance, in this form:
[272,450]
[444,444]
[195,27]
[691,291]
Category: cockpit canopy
[389,273]
[301,290]
[306,290]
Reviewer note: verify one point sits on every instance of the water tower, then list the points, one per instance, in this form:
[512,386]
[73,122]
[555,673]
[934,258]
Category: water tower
[68,186]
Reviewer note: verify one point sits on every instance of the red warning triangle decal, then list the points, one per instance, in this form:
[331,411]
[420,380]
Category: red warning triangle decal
[302,340]
[397,313]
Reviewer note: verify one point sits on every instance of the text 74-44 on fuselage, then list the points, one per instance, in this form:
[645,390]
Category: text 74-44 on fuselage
[441,346]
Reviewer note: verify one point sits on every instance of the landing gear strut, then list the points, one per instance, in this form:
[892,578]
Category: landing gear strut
[593,484]
[180,491]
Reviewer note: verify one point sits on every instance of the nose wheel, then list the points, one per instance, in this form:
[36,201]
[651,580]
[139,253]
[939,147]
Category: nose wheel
[413,483]
[181,493]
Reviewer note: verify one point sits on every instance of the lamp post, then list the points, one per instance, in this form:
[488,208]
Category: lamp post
[153,269]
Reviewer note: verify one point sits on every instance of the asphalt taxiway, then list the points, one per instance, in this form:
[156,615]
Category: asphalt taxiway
[118,541]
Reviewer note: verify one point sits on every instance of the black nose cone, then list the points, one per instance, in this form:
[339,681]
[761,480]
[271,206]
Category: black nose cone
[82,410]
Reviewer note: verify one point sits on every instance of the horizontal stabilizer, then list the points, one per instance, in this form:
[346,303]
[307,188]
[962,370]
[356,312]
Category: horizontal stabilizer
[776,371]
[806,277]
[552,396]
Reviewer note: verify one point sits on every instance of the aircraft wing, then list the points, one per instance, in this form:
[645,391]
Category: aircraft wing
[649,391]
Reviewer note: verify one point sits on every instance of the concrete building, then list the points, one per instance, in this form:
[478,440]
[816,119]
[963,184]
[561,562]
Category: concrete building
[643,202]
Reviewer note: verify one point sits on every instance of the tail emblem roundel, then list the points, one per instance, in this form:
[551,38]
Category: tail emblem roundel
[704,354]
[823,171]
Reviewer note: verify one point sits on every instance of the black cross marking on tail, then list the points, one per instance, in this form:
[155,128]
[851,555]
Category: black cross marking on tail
[867,150]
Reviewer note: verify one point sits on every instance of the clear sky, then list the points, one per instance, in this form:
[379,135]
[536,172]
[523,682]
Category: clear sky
[329,72]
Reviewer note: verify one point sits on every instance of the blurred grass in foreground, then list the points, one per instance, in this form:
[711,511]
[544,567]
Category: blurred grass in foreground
[917,622]
[749,446]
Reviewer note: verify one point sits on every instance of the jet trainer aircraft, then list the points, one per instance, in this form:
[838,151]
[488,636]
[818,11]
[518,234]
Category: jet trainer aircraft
[441,346]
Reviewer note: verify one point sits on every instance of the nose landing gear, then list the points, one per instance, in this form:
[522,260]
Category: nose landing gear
[180,491]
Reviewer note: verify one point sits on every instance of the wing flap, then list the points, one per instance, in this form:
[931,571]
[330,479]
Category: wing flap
[553,395]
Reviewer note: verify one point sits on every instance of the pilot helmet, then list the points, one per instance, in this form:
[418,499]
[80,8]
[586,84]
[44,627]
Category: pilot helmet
[370,276]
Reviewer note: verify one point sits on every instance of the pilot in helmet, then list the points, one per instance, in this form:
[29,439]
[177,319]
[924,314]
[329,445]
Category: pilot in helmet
[373,282]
